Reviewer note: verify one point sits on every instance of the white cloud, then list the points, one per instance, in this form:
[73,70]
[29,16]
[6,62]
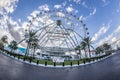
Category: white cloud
[64,4]
[77,1]
[104,40]
[105,3]
[14,29]
[34,13]
[60,14]
[44,7]
[3,22]
[101,31]
[113,38]
[19,20]
[10,28]
[69,9]
[45,20]
[84,4]
[30,17]
[93,13]
[40,20]
[81,17]
[90,14]
[25,25]
[7,6]
[76,11]
[117,30]
[57,6]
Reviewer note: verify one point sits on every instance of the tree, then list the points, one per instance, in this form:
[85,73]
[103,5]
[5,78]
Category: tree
[31,36]
[88,43]
[3,40]
[106,46]
[1,44]
[34,45]
[99,50]
[83,47]
[13,45]
[79,48]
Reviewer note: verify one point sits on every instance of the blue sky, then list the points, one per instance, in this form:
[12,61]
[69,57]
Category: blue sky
[102,17]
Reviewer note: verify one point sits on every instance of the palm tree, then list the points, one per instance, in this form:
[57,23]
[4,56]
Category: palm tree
[79,48]
[13,45]
[87,42]
[4,40]
[83,47]
[31,37]
[34,45]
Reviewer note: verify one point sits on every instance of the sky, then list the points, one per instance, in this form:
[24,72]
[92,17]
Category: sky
[102,17]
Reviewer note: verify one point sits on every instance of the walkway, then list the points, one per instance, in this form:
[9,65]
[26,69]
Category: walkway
[108,69]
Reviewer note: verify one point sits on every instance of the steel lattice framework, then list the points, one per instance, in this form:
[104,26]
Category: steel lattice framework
[56,38]
[57,31]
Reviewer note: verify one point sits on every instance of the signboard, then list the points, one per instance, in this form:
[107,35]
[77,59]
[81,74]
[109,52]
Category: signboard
[58,59]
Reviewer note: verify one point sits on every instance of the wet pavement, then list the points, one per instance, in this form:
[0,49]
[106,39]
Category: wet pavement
[107,69]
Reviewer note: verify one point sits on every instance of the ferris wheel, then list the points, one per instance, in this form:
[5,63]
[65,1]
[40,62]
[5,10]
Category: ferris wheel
[57,31]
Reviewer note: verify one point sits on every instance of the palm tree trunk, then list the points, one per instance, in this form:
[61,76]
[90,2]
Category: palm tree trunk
[89,51]
[26,54]
[34,52]
[85,53]
[11,50]
[80,53]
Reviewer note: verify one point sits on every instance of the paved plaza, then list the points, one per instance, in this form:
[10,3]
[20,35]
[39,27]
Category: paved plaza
[108,69]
